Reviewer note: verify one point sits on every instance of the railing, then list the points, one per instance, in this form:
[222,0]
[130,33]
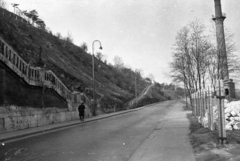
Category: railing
[207,102]
[35,76]
[202,102]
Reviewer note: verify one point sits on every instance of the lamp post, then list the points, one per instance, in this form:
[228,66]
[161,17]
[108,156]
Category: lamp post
[136,87]
[40,54]
[93,90]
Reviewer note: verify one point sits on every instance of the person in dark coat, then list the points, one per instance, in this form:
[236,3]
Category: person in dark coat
[81,109]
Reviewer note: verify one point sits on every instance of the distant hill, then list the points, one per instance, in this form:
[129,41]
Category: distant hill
[153,94]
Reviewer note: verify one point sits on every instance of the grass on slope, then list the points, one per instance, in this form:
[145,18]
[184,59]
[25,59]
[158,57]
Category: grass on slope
[70,63]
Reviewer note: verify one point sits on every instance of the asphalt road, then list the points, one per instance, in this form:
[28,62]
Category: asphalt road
[111,139]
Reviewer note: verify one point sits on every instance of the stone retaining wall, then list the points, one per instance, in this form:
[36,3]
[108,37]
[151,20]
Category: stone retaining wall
[15,91]
[24,106]
[17,118]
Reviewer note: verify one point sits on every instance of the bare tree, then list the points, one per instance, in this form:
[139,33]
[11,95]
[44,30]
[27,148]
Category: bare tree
[23,14]
[118,62]
[196,58]
[69,37]
[151,77]
[3,4]
[14,6]
[190,57]
[27,15]
[212,67]
[18,11]
[84,46]
[59,35]
[199,48]
[41,24]
[32,16]
[99,56]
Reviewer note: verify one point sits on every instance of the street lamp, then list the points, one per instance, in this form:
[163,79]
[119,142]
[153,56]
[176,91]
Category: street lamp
[136,86]
[94,108]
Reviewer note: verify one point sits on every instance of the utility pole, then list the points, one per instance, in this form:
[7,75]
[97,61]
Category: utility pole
[93,77]
[40,54]
[136,88]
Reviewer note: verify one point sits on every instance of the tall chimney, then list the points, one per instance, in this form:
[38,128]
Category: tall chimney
[222,57]
[222,54]
[218,9]
[223,68]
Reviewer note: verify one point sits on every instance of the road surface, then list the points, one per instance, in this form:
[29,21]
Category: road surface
[112,139]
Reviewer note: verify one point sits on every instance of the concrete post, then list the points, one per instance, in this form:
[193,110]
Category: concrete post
[211,112]
[197,107]
[231,87]
[222,130]
[194,104]
[208,108]
[198,104]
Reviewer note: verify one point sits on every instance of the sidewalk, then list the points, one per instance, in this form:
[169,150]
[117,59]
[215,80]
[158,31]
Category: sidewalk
[14,135]
[169,141]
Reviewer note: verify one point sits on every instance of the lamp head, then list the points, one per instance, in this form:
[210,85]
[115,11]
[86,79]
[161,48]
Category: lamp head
[100,47]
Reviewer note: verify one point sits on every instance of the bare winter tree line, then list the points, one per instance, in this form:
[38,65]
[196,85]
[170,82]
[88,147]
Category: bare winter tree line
[31,17]
[196,61]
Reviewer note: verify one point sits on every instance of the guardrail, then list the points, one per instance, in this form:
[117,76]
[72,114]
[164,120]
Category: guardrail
[34,76]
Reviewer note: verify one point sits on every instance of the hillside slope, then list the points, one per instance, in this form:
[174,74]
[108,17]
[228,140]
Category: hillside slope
[69,62]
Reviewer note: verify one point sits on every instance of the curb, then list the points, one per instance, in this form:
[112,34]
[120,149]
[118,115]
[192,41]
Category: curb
[10,139]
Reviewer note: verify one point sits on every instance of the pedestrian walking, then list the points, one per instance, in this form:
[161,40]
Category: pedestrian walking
[81,111]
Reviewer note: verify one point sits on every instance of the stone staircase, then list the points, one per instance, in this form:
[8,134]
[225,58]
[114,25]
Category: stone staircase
[34,76]
[16,117]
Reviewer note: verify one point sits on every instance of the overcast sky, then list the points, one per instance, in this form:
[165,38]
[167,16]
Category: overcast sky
[141,32]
